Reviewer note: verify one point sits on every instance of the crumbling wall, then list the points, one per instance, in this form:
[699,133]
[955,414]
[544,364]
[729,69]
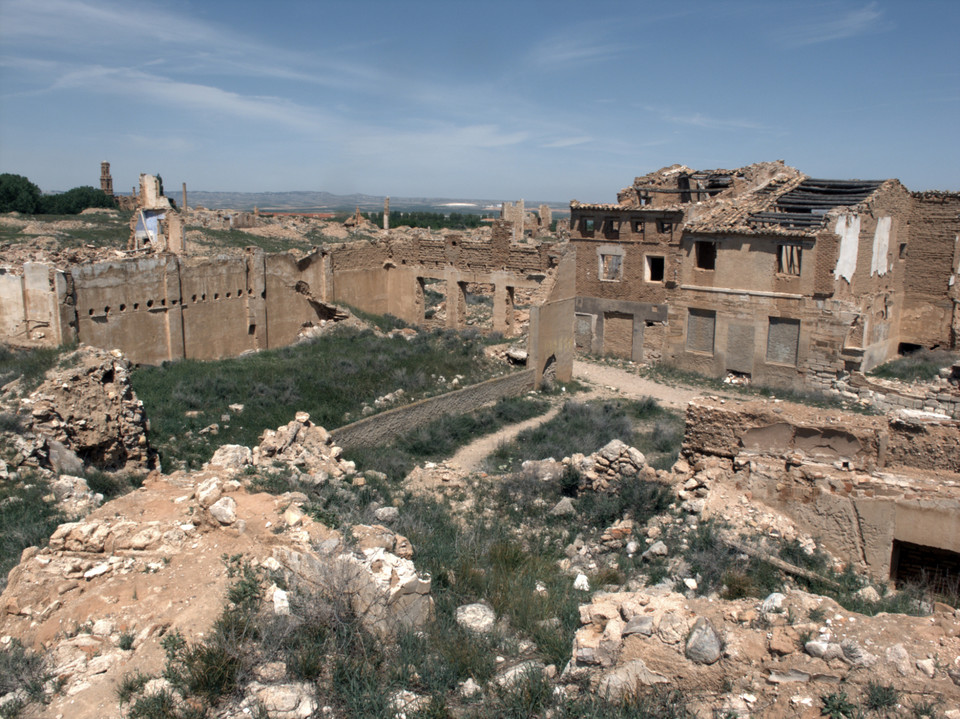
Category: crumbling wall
[34,307]
[856,482]
[931,265]
[550,345]
[163,307]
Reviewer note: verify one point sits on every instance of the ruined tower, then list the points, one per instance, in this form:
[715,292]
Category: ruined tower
[106,181]
[386,213]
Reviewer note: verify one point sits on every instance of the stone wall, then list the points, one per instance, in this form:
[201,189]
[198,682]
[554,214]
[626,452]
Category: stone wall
[941,396]
[387,426]
[857,483]
[165,307]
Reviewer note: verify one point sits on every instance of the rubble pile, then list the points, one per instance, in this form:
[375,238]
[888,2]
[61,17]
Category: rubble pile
[107,588]
[300,445]
[776,657]
[88,406]
[602,470]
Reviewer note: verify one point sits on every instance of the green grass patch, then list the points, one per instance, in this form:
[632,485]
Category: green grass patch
[30,364]
[921,366]
[331,377]
[442,437]
[585,427]
[26,520]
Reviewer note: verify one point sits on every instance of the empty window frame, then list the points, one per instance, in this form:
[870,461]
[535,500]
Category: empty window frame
[611,229]
[701,329]
[705,254]
[637,227]
[587,226]
[783,339]
[788,260]
[664,226]
[903,250]
[611,267]
[655,268]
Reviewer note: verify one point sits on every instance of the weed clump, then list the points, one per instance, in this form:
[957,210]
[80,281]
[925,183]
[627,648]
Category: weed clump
[26,519]
[921,366]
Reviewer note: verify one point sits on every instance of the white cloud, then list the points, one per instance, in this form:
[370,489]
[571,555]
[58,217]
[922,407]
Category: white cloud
[834,26]
[171,94]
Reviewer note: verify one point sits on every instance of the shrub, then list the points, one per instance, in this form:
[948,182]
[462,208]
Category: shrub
[920,366]
[880,697]
[22,668]
[75,201]
[18,194]
[837,706]
[579,427]
[112,485]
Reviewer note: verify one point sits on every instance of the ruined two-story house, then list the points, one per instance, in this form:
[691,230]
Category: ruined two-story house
[765,272]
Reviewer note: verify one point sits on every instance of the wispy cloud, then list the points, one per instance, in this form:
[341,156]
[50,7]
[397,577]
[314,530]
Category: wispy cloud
[568,141]
[698,119]
[187,45]
[171,94]
[836,22]
[577,47]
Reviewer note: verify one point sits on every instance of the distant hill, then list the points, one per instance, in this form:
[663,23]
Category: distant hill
[306,201]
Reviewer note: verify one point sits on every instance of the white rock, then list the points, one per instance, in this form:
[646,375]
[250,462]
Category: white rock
[224,510]
[582,583]
[387,514]
[208,492]
[281,602]
[773,603]
[469,688]
[477,618]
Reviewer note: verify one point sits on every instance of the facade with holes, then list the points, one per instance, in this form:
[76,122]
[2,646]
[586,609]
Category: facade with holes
[762,272]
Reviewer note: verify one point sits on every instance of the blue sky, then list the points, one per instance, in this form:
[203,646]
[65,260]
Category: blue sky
[500,100]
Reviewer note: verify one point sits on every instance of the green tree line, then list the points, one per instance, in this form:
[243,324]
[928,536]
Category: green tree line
[432,220]
[18,194]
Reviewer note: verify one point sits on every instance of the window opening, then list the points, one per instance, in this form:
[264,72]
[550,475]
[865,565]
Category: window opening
[788,260]
[706,254]
[655,267]
[611,267]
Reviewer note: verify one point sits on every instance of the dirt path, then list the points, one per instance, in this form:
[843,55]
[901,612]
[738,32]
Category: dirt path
[605,381]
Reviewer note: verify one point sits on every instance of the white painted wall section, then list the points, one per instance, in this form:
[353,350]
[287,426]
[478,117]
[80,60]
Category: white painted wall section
[881,245]
[848,229]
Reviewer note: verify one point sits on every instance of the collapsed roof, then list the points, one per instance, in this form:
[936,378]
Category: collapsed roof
[762,198]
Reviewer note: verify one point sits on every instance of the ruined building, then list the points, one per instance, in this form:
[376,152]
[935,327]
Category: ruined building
[156,224]
[162,305]
[766,272]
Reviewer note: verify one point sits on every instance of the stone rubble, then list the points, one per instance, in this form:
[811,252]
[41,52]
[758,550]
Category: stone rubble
[88,406]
